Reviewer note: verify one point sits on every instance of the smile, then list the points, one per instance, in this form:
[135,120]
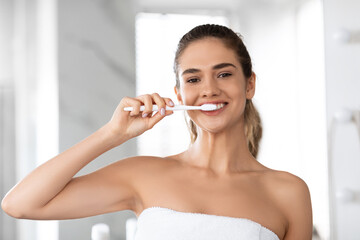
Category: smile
[220,107]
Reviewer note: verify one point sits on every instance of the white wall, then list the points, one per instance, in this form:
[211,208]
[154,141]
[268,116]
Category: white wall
[342,90]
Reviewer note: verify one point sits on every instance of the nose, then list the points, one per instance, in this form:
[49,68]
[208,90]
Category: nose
[210,88]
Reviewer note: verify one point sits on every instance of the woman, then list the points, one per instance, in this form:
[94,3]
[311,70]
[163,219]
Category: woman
[216,189]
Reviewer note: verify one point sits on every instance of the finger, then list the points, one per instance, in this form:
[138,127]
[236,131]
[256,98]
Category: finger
[169,102]
[148,103]
[134,103]
[168,112]
[160,102]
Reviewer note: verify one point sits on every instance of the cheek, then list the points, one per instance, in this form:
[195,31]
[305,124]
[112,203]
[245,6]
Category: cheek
[234,89]
[237,94]
[188,96]
[241,96]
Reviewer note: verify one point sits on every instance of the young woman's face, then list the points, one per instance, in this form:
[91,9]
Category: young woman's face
[209,72]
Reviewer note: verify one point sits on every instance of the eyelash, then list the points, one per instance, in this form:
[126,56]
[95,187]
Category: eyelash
[190,80]
[226,74]
[221,75]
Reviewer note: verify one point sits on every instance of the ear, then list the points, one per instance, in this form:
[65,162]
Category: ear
[178,96]
[250,86]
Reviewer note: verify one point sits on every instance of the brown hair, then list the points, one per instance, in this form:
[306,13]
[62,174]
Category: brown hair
[253,128]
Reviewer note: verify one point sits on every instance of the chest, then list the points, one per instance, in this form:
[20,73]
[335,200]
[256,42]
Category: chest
[187,192]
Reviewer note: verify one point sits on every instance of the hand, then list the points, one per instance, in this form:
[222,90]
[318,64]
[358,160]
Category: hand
[134,123]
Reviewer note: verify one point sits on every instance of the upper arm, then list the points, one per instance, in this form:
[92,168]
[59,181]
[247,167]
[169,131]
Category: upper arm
[297,208]
[108,189]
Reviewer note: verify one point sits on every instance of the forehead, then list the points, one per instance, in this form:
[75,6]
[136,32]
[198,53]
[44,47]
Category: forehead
[206,53]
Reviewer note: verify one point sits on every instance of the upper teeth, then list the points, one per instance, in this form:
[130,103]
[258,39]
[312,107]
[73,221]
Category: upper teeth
[220,105]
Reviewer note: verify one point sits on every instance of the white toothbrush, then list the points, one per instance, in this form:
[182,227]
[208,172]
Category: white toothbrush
[204,107]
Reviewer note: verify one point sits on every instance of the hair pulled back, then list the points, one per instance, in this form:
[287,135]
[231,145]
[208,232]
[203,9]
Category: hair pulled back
[253,127]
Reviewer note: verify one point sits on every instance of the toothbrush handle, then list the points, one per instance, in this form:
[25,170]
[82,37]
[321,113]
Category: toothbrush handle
[176,107]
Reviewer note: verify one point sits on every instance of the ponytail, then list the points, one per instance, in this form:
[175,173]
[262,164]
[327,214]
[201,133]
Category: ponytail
[253,127]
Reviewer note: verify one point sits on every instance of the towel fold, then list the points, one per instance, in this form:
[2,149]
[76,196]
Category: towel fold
[158,223]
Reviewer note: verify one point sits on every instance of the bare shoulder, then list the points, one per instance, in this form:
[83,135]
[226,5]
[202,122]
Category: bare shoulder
[292,195]
[286,187]
[141,169]
[138,166]
[282,180]
[142,163]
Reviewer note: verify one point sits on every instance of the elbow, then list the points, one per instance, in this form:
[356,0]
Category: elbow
[11,209]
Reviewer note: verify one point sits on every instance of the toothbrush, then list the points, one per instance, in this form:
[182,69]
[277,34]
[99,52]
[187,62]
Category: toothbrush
[204,107]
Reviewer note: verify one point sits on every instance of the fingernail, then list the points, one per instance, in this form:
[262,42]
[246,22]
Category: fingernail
[171,103]
[162,111]
[145,115]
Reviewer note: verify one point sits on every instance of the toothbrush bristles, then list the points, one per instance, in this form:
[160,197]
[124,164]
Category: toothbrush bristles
[209,107]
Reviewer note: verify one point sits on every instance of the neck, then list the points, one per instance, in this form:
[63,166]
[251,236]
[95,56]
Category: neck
[221,153]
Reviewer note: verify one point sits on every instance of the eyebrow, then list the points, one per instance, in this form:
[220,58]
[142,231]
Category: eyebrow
[217,66]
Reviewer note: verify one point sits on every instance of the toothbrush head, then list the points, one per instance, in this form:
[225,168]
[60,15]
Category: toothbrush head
[208,107]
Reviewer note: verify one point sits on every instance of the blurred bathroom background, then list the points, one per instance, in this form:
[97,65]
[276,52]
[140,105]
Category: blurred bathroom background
[65,65]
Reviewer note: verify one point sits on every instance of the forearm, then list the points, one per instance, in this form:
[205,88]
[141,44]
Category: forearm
[46,181]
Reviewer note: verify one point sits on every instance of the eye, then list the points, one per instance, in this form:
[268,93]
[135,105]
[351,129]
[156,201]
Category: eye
[192,80]
[223,75]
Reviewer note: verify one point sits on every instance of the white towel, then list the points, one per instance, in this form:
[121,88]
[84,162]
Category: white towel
[158,223]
